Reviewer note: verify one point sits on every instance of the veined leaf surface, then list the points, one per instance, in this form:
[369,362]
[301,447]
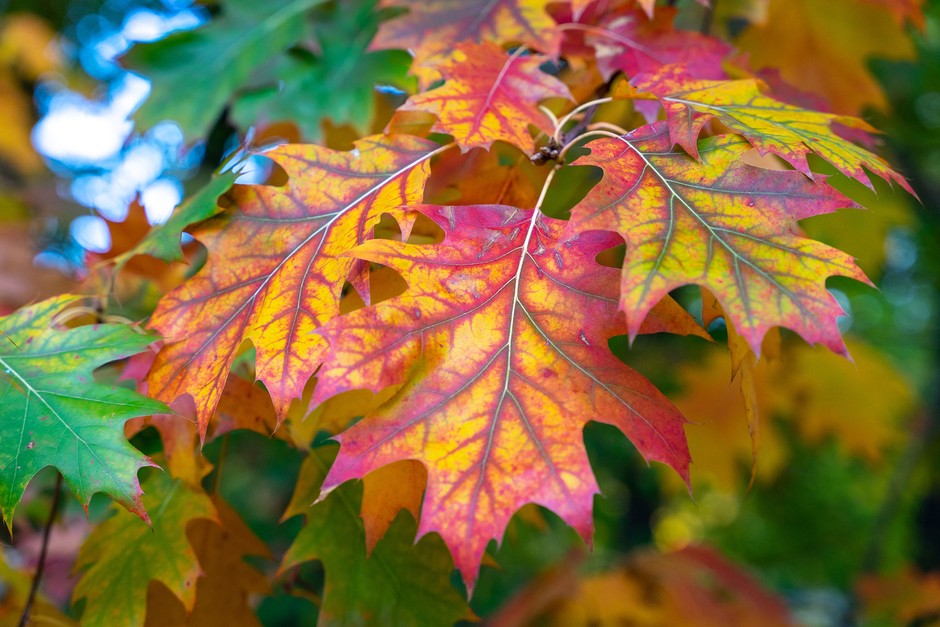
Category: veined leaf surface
[195,72]
[431,29]
[770,125]
[123,555]
[489,95]
[718,223]
[501,340]
[52,413]
[276,268]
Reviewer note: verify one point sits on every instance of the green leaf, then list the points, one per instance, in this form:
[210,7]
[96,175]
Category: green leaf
[400,583]
[163,240]
[53,413]
[194,73]
[337,84]
[123,555]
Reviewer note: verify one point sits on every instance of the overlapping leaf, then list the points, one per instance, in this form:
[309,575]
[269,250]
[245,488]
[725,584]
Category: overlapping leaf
[163,241]
[227,581]
[276,269]
[335,83]
[633,43]
[694,586]
[824,47]
[490,96]
[123,555]
[431,29]
[501,340]
[194,73]
[402,582]
[771,126]
[52,413]
[718,223]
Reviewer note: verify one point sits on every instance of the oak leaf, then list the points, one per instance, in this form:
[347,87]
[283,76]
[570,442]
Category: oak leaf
[824,47]
[771,126]
[632,43]
[277,267]
[163,240]
[720,224]
[431,29]
[398,582]
[194,73]
[335,83]
[223,588]
[122,555]
[53,413]
[490,96]
[501,342]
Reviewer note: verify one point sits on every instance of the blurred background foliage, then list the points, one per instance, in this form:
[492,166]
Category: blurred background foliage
[843,517]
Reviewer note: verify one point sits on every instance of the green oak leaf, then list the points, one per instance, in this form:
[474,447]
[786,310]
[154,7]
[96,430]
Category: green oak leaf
[122,555]
[194,73]
[400,583]
[53,413]
[163,240]
[337,83]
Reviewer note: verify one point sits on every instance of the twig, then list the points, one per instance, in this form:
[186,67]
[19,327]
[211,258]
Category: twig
[708,17]
[24,618]
[218,466]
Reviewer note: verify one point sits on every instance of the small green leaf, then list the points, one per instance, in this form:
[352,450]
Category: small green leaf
[163,240]
[400,583]
[123,555]
[53,413]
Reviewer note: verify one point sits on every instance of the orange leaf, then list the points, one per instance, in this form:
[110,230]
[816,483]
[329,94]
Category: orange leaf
[501,339]
[431,29]
[502,175]
[908,597]
[824,47]
[720,224]
[385,492]
[694,586]
[490,96]
[277,267]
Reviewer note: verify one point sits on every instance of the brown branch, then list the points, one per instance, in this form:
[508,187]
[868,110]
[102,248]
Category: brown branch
[37,578]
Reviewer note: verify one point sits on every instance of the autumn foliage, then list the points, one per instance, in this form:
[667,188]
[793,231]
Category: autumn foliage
[436,284]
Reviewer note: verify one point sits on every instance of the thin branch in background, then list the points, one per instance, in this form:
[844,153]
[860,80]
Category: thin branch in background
[37,578]
[708,18]
[218,466]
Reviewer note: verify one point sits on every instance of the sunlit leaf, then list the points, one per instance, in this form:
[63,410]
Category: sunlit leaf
[490,96]
[718,223]
[771,126]
[501,341]
[431,29]
[276,269]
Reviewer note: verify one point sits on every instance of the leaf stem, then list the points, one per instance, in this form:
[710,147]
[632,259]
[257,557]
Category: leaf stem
[40,567]
[607,126]
[603,32]
[582,107]
[591,133]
